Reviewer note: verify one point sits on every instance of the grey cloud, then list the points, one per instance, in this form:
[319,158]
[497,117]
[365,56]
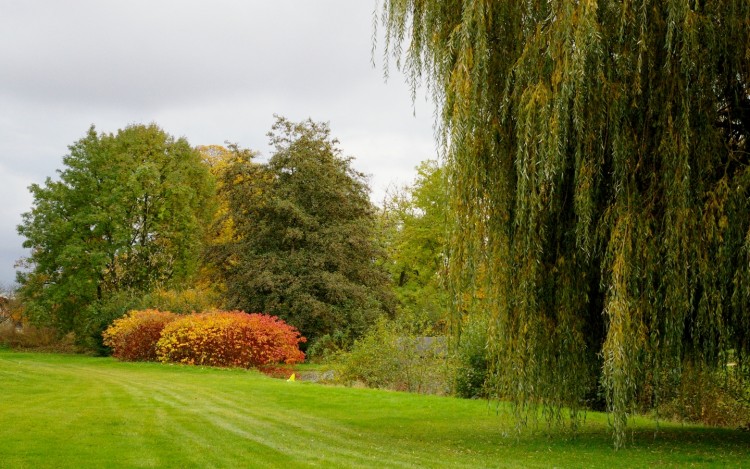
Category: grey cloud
[122,55]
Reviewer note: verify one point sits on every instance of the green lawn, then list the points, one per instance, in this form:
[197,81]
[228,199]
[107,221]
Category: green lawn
[77,412]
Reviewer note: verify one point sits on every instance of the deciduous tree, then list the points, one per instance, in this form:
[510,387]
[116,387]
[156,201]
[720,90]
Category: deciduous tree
[415,231]
[303,246]
[126,214]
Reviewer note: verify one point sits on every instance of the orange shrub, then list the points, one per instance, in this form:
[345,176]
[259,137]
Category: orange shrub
[134,336]
[230,339]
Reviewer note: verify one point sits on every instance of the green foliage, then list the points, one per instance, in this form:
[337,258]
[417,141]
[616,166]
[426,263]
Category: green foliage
[600,175]
[302,244]
[711,397]
[400,354]
[233,338]
[472,359]
[328,346]
[124,217]
[415,229]
[96,317]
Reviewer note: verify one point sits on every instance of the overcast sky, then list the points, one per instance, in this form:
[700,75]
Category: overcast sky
[210,71]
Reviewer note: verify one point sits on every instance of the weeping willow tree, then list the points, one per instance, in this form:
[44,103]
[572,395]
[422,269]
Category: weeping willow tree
[600,172]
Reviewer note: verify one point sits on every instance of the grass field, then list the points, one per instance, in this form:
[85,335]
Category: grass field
[67,411]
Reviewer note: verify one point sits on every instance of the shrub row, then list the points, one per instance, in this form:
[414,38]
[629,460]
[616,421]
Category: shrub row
[219,338]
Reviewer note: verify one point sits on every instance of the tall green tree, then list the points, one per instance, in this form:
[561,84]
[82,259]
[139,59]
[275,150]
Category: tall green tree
[302,245]
[601,172]
[126,214]
[415,233]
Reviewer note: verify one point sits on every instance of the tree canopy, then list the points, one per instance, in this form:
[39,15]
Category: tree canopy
[127,213]
[415,229]
[303,228]
[597,152]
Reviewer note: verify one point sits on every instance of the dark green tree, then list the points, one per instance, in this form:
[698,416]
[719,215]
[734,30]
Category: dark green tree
[126,215]
[601,172]
[303,245]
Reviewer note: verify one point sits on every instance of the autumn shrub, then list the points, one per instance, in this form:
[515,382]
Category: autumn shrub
[17,333]
[34,338]
[134,336]
[232,339]
[99,315]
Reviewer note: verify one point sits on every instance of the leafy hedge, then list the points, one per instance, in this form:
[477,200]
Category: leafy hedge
[134,336]
[230,339]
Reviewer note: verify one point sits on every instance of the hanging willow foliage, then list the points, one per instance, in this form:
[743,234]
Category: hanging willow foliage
[600,173]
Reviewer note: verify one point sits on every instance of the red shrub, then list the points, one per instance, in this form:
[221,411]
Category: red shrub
[230,339]
[134,336]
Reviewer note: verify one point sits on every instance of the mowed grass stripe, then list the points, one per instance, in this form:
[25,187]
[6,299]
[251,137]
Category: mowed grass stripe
[197,416]
[300,436]
[74,411]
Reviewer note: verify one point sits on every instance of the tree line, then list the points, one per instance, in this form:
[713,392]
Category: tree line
[138,219]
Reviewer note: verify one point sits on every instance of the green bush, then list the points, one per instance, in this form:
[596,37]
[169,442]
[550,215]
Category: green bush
[328,346]
[98,316]
[398,355]
[717,398]
[472,364]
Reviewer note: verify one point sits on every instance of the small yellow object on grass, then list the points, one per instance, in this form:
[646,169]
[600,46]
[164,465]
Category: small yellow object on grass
[292,378]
